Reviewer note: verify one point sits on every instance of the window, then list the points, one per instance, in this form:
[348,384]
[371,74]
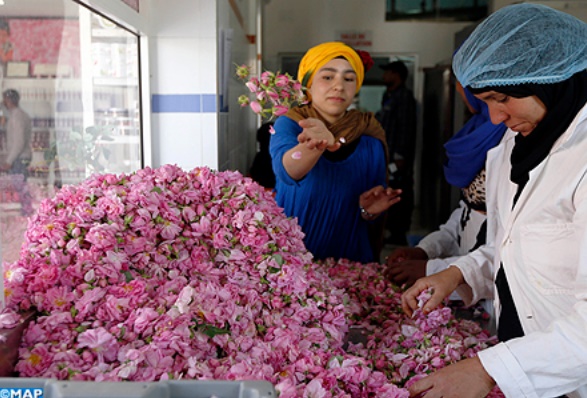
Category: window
[76,76]
[450,10]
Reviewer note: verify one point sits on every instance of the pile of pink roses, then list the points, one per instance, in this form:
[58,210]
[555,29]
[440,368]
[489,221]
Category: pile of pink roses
[170,274]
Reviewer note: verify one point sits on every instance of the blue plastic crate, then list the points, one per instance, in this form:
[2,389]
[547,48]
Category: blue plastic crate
[49,388]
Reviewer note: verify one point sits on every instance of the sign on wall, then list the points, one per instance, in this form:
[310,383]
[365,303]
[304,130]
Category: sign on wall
[359,39]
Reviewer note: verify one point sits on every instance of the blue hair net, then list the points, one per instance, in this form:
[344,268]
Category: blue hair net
[520,44]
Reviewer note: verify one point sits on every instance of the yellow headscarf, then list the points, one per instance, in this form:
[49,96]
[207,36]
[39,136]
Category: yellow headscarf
[318,56]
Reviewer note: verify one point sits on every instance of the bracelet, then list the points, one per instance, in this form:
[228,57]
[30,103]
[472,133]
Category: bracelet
[366,214]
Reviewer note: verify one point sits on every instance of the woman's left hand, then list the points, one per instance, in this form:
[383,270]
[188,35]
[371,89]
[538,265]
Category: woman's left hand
[376,200]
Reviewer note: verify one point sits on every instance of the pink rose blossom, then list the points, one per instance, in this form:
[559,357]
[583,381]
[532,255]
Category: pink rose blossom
[101,342]
[279,110]
[9,319]
[256,107]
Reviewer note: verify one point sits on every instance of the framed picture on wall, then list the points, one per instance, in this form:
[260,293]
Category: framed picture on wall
[18,69]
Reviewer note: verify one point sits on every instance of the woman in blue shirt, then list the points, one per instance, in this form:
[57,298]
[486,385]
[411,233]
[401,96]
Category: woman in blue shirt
[330,162]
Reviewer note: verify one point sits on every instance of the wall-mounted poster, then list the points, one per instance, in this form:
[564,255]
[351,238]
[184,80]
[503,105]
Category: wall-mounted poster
[134,4]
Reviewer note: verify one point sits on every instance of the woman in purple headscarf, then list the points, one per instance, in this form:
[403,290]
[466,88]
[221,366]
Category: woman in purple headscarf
[465,230]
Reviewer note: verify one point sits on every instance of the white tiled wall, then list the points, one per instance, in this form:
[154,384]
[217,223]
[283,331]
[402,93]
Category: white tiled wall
[183,52]
[185,58]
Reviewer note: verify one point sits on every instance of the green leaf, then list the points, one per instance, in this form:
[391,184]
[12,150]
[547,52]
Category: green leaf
[70,227]
[210,330]
[80,329]
[128,276]
[306,78]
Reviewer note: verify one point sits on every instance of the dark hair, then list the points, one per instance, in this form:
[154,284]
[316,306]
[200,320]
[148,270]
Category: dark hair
[261,170]
[264,135]
[398,67]
[12,95]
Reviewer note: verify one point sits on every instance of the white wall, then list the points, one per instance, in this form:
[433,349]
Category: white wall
[183,79]
[295,26]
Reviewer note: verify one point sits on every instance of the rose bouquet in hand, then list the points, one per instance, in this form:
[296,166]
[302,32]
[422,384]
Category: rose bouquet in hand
[271,94]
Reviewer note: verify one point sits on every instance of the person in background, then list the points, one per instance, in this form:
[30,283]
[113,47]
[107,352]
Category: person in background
[399,119]
[261,170]
[6,48]
[18,144]
[18,135]
[528,62]
[465,230]
[330,162]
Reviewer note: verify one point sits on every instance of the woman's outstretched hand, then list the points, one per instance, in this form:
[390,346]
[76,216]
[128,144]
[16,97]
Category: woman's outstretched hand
[315,135]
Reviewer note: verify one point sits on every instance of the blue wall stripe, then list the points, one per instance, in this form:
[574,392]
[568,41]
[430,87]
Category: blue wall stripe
[208,103]
[184,103]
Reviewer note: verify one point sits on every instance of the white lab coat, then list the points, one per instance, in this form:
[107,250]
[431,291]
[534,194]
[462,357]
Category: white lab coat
[442,246]
[542,243]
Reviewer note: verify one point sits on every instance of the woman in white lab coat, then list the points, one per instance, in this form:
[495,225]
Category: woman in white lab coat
[528,63]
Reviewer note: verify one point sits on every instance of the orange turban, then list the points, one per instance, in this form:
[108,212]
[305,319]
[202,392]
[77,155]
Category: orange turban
[318,56]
